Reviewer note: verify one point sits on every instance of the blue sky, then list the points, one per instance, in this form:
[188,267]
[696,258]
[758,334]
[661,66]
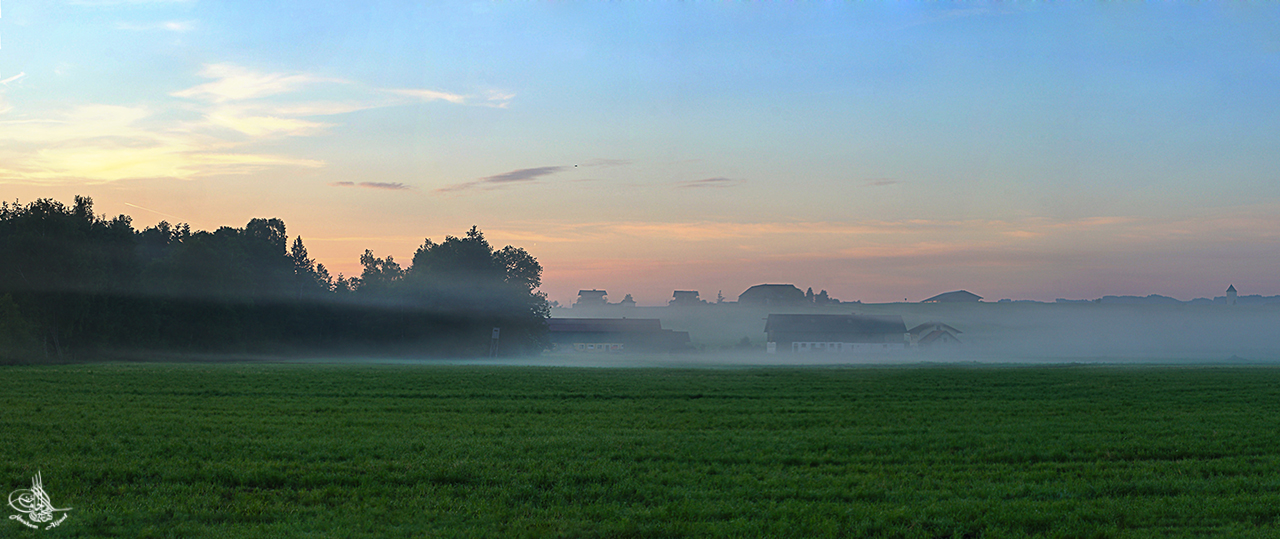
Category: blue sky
[878,150]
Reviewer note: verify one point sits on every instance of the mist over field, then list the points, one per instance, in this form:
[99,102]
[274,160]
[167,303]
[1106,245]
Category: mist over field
[990,333]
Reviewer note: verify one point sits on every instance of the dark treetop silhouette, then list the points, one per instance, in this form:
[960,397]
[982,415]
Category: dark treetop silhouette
[74,284]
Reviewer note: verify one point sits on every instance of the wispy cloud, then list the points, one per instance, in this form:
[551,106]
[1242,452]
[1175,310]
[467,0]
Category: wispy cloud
[204,129]
[323,108]
[522,175]
[257,124]
[498,99]
[431,95]
[171,26]
[392,186]
[494,99]
[106,143]
[880,182]
[233,83]
[258,104]
[709,182]
[498,180]
[237,99]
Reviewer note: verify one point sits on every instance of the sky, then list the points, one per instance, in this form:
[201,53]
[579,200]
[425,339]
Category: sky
[882,151]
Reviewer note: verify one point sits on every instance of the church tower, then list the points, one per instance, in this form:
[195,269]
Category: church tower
[1231,294]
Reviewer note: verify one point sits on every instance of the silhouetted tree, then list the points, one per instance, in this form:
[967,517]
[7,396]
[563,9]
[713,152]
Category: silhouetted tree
[323,279]
[496,287]
[309,278]
[72,281]
[380,275]
[343,285]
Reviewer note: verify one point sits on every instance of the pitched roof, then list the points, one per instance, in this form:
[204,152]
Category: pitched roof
[958,295]
[932,325]
[938,335]
[835,323]
[770,293]
[1231,288]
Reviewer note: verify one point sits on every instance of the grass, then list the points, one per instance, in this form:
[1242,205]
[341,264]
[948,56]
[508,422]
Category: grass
[254,450]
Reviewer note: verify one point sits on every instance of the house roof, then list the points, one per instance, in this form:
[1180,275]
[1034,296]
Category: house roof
[773,287]
[1231,288]
[771,292]
[932,326]
[835,324]
[957,296]
[604,325]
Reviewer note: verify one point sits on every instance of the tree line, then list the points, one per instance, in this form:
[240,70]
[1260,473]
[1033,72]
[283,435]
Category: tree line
[76,285]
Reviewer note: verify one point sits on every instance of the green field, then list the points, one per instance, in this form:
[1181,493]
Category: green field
[266,450]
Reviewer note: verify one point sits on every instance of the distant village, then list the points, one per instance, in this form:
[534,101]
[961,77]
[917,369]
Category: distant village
[789,295]
[604,327]
[758,295]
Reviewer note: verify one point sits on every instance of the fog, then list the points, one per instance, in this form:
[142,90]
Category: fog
[991,333]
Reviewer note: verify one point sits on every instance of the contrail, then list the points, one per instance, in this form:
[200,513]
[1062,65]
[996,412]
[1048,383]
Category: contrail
[13,78]
[153,211]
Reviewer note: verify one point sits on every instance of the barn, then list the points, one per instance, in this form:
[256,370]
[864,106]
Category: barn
[850,333]
[614,335]
[772,295]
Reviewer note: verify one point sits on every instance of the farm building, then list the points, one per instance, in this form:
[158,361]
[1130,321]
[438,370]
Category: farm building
[685,298]
[614,335]
[959,296]
[772,295]
[851,333]
[931,334]
[591,298]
